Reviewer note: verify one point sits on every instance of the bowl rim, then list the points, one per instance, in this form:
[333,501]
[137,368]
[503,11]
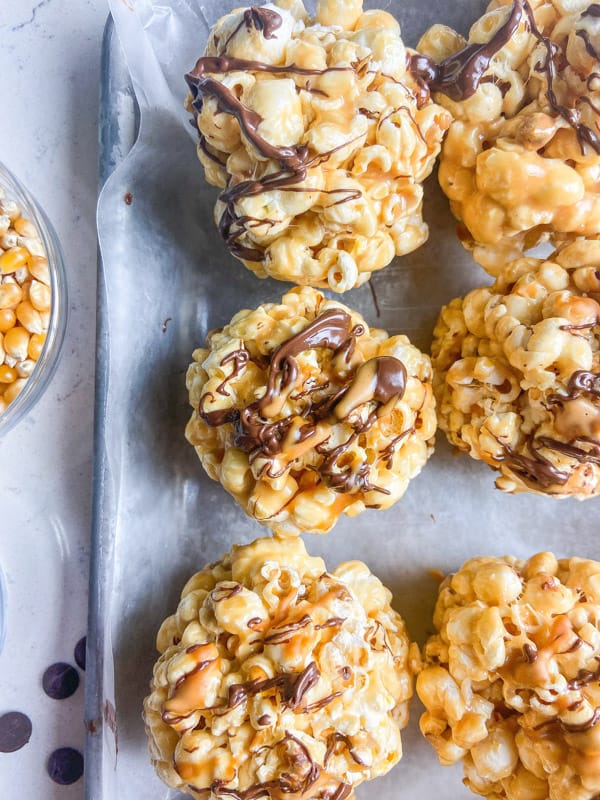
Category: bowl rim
[46,364]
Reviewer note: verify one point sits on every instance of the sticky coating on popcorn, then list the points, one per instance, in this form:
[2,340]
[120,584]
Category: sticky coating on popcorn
[520,161]
[304,413]
[319,135]
[517,373]
[278,679]
[511,679]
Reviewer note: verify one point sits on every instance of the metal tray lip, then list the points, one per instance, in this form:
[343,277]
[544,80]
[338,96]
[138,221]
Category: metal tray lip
[109,122]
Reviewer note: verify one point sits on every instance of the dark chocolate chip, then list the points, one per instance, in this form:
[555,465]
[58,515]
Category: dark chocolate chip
[15,731]
[80,652]
[65,765]
[60,681]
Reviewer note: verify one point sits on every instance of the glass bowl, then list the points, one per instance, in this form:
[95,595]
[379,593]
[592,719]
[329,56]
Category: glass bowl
[48,359]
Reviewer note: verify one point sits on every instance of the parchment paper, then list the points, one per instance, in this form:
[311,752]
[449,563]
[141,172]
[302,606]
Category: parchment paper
[169,280]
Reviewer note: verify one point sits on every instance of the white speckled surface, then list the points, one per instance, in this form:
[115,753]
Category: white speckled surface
[49,75]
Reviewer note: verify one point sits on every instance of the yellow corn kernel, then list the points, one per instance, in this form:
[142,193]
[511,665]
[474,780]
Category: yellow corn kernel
[38,266]
[16,342]
[29,317]
[14,389]
[39,295]
[13,259]
[11,295]
[7,374]
[25,368]
[7,319]
[36,345]
[24,227]
[3,404]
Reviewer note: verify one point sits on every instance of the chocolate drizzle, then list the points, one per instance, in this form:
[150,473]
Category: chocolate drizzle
[580,382]
[592,11]
[536,469]
[591,50]
[293,687]
[294,162]
[459,75]
[585,135]
[584,726]
[584,678]
[380,380]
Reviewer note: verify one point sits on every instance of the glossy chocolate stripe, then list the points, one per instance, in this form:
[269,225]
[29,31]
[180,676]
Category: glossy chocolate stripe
[459,75]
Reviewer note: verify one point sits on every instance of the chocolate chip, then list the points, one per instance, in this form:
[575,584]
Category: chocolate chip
[15,731]
[60,681]
[80,652]
[65,765]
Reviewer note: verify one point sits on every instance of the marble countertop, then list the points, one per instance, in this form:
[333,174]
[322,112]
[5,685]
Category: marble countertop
[49,68]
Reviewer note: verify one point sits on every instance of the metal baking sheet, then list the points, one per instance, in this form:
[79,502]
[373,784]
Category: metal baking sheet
[165,279]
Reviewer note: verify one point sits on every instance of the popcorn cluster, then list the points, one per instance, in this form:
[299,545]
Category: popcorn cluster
[521,159]
[277,678]
[25,300]
[511,683]
[304,413]
[319,136]
[517,373]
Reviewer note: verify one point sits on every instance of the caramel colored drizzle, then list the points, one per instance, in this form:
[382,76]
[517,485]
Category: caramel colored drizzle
[239,358]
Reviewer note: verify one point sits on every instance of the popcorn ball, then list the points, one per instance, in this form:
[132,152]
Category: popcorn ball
[319,135]
[304,413]
[279,679]
[517,373]
[521,159]
[511,683]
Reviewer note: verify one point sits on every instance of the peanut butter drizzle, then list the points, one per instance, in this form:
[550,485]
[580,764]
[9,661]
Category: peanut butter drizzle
[262,19]
[190,690]
[381,380]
